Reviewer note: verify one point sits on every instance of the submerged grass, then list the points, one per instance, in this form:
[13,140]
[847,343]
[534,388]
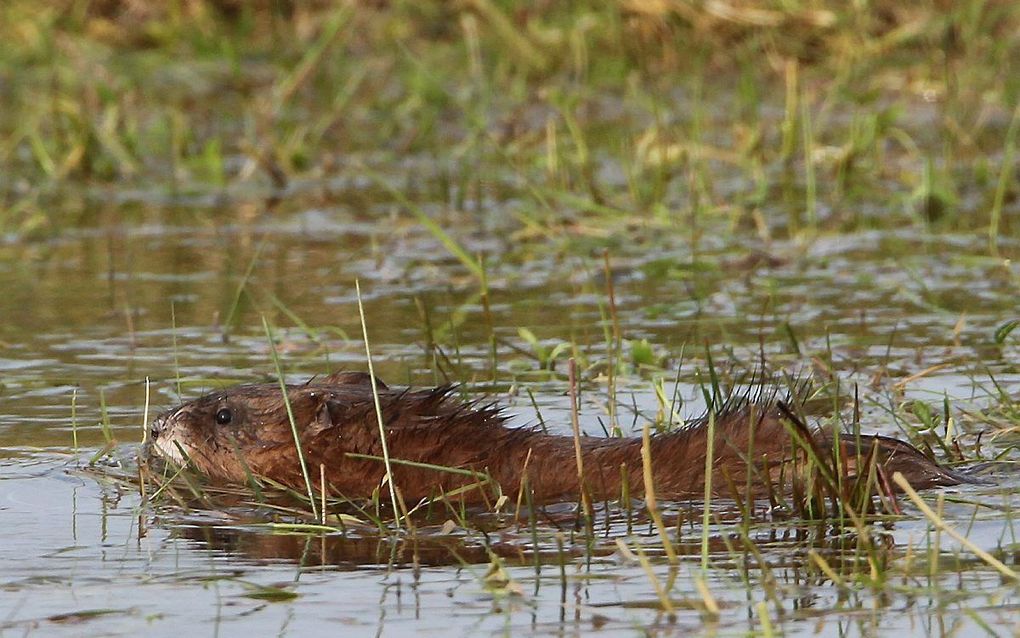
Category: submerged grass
[855,558]
[857,520]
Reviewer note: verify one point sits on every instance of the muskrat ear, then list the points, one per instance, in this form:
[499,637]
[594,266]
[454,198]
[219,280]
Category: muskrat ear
[353,378]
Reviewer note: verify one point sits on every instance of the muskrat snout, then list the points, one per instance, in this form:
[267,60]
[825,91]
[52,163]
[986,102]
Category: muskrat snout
[158,426]
[163,436]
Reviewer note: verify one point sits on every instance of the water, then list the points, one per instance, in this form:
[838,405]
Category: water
[176,297]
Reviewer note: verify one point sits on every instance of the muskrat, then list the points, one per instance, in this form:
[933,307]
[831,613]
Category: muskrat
[245,431]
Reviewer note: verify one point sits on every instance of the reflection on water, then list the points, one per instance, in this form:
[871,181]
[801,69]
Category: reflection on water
[86,319]
[99,567]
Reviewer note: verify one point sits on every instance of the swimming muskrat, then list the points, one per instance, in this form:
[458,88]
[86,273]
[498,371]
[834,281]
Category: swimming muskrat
[244,431]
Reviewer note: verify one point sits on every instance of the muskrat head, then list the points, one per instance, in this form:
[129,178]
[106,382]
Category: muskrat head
[220,432]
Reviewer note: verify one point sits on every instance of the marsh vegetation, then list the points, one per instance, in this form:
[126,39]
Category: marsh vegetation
[664,198]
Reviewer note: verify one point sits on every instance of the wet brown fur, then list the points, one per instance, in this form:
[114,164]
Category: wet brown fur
[755,453]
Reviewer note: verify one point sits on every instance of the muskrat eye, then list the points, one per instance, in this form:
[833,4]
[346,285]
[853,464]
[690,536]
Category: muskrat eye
[224,416]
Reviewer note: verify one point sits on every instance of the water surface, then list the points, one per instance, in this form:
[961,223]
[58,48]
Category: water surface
[177,299]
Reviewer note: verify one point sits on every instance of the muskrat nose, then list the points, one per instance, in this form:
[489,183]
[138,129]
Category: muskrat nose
[157,427]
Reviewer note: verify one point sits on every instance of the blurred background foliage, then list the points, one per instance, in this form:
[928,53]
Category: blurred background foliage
[787,115]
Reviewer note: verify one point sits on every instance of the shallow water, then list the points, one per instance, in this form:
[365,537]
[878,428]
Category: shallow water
[135,295]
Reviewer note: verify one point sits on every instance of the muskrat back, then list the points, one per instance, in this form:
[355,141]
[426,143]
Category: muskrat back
[440,445]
